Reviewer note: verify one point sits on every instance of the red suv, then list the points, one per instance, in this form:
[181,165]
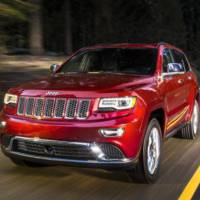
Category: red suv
[107,106]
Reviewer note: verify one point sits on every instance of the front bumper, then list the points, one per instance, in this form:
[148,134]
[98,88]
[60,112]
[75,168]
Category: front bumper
[80,131]
[61,152]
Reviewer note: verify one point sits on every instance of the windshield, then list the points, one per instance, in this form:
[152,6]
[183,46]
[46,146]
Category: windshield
[116,60]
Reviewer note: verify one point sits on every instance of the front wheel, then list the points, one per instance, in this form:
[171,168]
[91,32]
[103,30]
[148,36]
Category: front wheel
[147,170]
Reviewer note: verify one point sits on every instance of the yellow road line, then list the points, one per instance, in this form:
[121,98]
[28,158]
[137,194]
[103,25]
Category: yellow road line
[191,187]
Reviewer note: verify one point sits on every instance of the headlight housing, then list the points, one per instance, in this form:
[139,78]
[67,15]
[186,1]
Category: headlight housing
[121,103]
[10,99]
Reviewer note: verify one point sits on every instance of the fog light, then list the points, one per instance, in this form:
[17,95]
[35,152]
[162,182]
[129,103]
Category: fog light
[97,151]
[2,124]
[114,132]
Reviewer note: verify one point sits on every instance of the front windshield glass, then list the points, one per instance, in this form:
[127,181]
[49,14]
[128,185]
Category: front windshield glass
[116,60]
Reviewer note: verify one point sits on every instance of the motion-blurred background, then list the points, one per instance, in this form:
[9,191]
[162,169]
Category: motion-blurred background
[36,33]
[56,27]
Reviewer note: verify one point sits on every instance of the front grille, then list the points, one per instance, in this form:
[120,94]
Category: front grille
[39,107]
[67,151]
[71,108]
[59,109]
[29,106]
[48,111]
[53,108]
[83,109]
[21,106]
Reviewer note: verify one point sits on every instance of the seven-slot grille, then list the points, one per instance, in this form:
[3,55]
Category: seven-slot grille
[53,107]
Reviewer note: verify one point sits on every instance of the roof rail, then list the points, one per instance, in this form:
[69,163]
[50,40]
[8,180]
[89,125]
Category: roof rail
[162,43]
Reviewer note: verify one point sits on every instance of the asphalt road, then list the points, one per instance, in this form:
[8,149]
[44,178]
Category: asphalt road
[180,160]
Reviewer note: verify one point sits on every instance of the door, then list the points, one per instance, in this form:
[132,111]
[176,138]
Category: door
[182,79]
[190,83]
[174,94]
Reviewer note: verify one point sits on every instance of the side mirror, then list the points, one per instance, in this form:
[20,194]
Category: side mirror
[54,67]
[175,68]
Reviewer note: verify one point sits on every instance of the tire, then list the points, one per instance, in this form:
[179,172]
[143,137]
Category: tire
[191,130]
[145,172]
[25,163]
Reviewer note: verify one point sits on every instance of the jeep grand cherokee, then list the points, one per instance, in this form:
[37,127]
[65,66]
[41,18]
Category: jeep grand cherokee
[107,106]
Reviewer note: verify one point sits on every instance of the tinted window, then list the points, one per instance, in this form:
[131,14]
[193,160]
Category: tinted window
[177,56]
[134,61]
[176,67]
[186,63]
[180,58]
[166,59]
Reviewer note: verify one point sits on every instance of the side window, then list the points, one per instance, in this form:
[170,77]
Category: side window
[180,58]
[175,67]
[186,63]
[166,59]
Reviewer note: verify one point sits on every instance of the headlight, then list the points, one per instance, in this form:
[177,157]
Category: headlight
[120,103]
[10,99]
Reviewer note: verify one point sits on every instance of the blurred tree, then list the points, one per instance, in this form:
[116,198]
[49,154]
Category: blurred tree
[68,27]
[73,23]
[10,12]
[14,9]
[36,34]
[172,28]
[83,23]
[53,24]
[148,21]
[191,16]
[134,21]
[103,21]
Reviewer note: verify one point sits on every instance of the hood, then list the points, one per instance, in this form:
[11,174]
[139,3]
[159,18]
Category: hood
[90,85]
[88,82]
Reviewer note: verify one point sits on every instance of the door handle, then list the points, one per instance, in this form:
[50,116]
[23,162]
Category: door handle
[180,81]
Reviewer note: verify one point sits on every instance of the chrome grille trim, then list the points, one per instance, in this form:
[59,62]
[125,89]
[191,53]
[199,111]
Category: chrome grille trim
[21,106]
[49,107]
[71,108]
[83,110]
[39,105]
[59,108]
[29,106]
[53,108]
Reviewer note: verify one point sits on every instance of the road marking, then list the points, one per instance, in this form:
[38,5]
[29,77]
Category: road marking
[191,187]
[196,195]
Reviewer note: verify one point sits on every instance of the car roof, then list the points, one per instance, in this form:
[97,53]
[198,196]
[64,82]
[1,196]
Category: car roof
[121,45]
[131,45]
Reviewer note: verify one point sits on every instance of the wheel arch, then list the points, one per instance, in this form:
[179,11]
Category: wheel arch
[159,114]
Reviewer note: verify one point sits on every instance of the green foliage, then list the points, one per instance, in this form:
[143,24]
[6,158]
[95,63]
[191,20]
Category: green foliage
[12,12]
[104,21]
[16,9]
